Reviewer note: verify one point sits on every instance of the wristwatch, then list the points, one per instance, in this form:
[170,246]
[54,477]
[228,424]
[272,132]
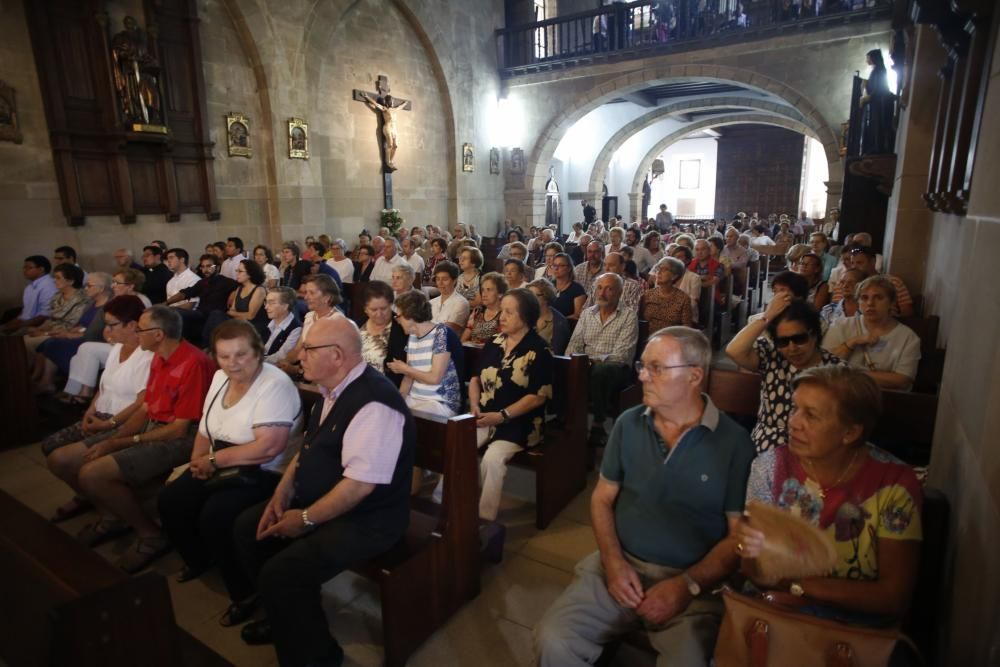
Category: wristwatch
[505,415]
[693,588]
[211,459]
[113,422]
[795,588]
[137,438]
[305,519]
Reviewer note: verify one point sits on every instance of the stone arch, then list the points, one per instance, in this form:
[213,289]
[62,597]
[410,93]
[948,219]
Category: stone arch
[545,146]
[730,119]
[603,159]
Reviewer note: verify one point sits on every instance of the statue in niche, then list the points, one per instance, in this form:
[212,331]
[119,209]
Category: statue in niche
[878,135]
[136,76]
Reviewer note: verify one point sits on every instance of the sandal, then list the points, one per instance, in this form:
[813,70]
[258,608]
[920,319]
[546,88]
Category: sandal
[71,509]
[147,549]
[101,531]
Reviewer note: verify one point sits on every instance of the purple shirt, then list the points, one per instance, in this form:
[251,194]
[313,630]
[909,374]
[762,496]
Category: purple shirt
[37,297]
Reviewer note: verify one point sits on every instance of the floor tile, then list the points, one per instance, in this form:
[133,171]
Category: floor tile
[561,545]
[523,589]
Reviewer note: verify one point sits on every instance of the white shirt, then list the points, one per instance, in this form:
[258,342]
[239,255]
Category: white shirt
[344,269]
[293,337]
[643,258]
[383,268]
[310,319]
[271,272]
[896,352]
[230,265]
[540,272]
[454,310]
[123,380]
[418,264]
[272,400]
[182,280]
[690,284]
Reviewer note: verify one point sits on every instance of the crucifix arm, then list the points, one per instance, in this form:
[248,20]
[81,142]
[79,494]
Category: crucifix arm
[372,103]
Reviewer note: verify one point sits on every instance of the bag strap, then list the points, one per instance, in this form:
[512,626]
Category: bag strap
[208,431]
[757,639]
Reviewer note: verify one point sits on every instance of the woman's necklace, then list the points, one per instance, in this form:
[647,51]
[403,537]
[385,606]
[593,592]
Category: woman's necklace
[823,489]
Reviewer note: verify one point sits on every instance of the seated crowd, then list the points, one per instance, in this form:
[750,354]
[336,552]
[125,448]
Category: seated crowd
[191,376]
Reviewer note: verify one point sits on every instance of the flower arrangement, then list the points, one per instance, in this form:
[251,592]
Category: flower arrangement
[392,219]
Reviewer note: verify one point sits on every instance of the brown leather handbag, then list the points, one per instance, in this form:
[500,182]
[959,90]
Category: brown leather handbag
[757,632]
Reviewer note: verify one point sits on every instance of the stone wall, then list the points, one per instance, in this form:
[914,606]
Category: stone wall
[273,60]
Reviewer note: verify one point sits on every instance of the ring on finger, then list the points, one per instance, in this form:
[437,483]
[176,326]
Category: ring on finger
[739,548]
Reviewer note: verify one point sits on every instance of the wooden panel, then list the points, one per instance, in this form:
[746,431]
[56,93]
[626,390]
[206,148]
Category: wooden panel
[759,168]
[189,188]
[145,185]
[94,179]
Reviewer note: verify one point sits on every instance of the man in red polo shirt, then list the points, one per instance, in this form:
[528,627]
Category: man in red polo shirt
[708,268]
[156,438]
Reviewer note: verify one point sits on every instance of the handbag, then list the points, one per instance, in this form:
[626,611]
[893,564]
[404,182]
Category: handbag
[758,632]
[232,477]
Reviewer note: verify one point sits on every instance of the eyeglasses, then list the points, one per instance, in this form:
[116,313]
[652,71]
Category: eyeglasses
[655,369]
[310,348]
[141,330]
[118,283]
[798,339]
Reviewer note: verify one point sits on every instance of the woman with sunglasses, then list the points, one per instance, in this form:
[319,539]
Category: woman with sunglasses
[793,346]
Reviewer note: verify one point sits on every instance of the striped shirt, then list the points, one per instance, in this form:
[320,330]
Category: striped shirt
[420,353]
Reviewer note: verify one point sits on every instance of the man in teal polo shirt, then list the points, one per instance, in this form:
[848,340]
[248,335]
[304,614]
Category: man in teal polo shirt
[672,486]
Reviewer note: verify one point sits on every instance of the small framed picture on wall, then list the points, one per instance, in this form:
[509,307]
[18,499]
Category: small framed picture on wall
[298,139]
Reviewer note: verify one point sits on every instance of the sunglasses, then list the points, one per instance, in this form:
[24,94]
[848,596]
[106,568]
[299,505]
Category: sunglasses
[798,339]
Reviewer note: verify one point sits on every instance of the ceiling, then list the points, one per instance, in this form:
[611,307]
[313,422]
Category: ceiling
[652,95]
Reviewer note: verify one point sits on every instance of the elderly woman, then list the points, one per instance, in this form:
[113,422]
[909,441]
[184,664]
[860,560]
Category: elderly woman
[430,380]
[55,353]
[810,267]
[403,276]
[508,392]
[119,395]
[322,296]
[863,498]
[551,325]
[793,345]
[68,305]
[470,261]
[449,307]
[438,253]
[381,334]
[666,305]
[484,322]
[617,236]
[873,340]
[130,281]
[340,262]
[513,273]
[284,328]
[265,260]
[250,419]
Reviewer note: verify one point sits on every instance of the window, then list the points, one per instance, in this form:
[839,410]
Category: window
[690,174]
[544,38]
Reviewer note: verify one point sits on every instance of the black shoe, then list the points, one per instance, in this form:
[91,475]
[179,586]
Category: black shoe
[257,633]
[188,573]
[239,612]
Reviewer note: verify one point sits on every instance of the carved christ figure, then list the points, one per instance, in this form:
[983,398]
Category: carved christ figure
[388,126]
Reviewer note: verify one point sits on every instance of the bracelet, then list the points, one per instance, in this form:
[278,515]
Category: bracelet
[113,422]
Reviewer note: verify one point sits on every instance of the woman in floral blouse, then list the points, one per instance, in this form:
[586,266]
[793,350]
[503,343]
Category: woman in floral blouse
[508,392]
[485,319]
[867,501]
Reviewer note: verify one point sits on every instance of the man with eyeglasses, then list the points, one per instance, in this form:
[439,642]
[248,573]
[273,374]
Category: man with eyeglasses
[342,500]
[154,439]
[671,492]
[607,332]
[212,293]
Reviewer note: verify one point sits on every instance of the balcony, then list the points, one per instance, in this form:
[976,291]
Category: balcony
[625,31]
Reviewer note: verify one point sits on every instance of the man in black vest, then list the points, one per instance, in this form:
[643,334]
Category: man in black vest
[343,499]
[589,212]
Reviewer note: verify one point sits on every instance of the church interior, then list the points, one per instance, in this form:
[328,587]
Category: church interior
[282,123]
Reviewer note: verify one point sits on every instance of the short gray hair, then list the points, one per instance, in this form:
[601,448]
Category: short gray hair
[672,264]
[404,267]
[695,348]
[546,288]
[167,319]
[103,278]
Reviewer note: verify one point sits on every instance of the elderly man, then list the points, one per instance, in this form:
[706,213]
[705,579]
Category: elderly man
[378,245]
[664,538]
[183,277]
[154,439]
[863,259]
[123,259]
[607,332]
[631,289]
[343,499]
[411,256]
[389,260]
[586,272]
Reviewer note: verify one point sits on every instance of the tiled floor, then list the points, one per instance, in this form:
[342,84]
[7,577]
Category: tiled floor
[492,630]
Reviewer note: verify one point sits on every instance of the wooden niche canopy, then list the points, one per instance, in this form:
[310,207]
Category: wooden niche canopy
[125,104]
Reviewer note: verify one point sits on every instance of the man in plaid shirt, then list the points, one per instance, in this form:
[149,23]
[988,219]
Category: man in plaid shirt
[607,332]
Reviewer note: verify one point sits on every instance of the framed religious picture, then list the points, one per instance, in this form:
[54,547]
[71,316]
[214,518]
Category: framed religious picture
[468,159]
[494,160]
[298,139]
[10,129]
[238,134]
[516,160]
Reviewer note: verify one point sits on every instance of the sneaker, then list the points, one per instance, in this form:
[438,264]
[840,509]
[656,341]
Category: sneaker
[147,549]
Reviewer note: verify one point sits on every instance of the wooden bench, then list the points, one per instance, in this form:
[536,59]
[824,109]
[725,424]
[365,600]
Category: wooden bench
[355,293]
[561,462]
[63,605]
[434,570]
[17,401]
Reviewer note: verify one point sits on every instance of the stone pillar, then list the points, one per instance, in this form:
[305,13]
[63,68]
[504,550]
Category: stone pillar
[525,207]
[634,204]
[909,223]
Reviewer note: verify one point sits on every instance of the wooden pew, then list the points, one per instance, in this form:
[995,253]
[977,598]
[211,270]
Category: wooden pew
[356,296]
[562,460]
[706,311]
[18,409]
[63,605]
[733,392]
[427,577]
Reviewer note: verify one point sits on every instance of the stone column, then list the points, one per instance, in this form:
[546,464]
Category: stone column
[525,207]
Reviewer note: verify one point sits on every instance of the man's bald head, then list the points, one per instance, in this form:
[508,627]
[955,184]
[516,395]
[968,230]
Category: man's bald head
[337,330]
[330,350]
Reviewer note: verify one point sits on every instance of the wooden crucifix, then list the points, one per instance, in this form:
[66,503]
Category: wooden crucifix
[385,105]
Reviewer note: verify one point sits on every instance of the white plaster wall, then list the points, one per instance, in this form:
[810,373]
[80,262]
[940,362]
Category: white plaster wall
[665,188]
